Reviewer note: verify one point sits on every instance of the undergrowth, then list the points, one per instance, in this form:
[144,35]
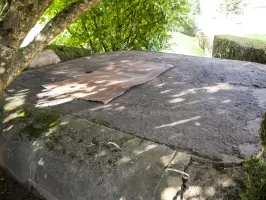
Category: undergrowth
[255,169]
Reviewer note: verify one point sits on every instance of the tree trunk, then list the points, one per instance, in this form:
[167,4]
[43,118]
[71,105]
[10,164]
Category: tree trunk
[21,16]
[17,18]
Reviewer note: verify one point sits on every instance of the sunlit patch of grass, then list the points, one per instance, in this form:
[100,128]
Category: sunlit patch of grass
[183,44]
[257,36]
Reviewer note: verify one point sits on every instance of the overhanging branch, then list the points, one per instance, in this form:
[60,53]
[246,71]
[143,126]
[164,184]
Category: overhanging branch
[53,28]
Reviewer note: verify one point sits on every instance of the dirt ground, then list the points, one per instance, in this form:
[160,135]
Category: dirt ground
[12,190]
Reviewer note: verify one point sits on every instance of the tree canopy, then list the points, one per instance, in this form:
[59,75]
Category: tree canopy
[230,7]
[98,25]
[16,20]
[122,24]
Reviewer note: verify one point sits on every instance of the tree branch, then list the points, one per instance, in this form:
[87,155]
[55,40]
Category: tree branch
[53,28]
[4,6]
[102,42]
[17,18]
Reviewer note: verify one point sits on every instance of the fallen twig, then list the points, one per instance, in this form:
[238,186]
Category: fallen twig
[187,176]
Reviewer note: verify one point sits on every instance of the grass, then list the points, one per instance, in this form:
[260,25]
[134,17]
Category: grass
[257,36]
[183,44]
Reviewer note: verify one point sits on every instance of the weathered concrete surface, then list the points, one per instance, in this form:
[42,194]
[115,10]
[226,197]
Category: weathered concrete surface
[44,58]
[208,106]
[209,183]
[171,185]
[69,158]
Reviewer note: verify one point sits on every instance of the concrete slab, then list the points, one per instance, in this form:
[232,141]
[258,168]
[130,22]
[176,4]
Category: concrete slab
[172,182]
[44,58]
[207,106]
[70,158]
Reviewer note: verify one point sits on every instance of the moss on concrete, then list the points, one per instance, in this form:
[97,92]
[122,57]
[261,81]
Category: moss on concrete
[240,48]
[99,121]
[68,53]
[35,121]
[127,132]
[39,122]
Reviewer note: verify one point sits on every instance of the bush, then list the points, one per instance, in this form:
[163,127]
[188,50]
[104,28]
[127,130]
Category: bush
[69,53]
[255,169]
[256,180]
[263,131]
[239,48]
[187,28]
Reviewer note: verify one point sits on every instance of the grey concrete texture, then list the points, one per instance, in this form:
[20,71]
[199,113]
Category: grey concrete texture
[44,58]
[209,107]
[76,159]
[171,185]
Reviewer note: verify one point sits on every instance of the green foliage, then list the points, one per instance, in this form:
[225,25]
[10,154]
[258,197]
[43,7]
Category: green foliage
[188,26]
[256,179]
[195,9]
[122,24]
[263,131]
[230,7]
[54,9]
[240,48]
[255,169]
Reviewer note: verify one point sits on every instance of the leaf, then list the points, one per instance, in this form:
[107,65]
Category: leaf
[122,24]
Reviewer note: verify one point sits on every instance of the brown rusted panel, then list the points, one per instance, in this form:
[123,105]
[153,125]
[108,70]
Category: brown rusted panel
[108,82]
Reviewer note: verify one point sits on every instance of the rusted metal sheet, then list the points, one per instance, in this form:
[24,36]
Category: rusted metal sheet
[108,82]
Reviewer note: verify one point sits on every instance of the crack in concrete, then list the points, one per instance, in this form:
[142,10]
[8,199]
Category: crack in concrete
[248,85]
[194,157]
[159,182]
[162,174]
[167,166]
[122,131]
[184,185]
[215,164]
